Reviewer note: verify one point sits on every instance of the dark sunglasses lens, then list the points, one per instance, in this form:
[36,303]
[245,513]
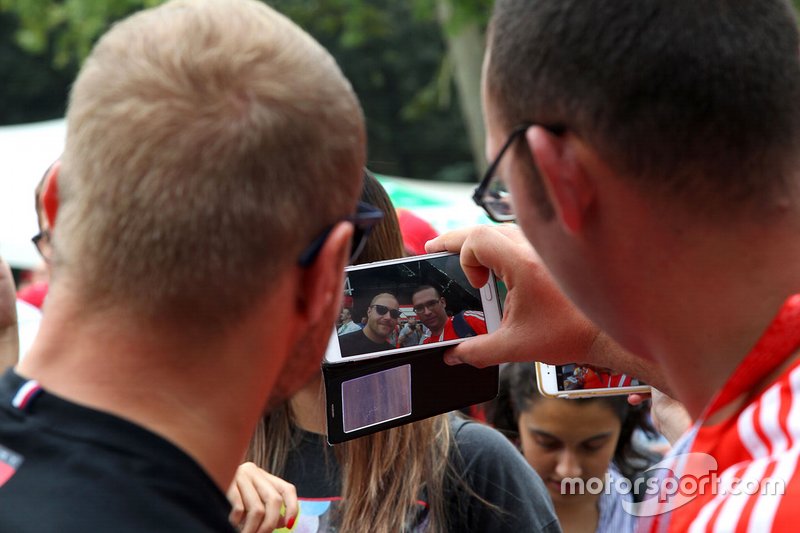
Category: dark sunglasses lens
[382,310]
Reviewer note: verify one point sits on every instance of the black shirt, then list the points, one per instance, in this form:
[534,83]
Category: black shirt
[358,343]
[75,469]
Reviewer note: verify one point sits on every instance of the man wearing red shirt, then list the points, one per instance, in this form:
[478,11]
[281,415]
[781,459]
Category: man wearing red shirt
[650,152]
[431,309]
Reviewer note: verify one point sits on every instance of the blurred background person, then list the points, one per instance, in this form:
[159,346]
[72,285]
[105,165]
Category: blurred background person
[347,324]
[410,334]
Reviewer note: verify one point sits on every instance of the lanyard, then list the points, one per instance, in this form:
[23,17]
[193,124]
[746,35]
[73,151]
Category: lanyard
[778,342]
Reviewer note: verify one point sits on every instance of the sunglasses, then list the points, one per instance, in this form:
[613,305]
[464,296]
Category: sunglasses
[363,220]
[382,310]
[430,304]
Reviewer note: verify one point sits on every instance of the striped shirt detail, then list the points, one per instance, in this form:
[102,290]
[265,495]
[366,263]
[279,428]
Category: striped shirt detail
[612,514]
[760,432]
[26,393]
[759,446]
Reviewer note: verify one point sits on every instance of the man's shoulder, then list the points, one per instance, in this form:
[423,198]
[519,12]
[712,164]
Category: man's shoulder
[467,324]
[85,496]
[755,458]
[105,473]
[353,336]
[475,318]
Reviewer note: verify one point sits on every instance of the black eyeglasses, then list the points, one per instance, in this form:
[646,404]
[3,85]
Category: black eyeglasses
[382,310]
[42,243]
[364,219]
[491,194]
[430,304]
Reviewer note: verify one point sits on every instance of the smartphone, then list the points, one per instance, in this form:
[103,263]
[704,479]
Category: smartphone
[578,380]
[391,371]
[410,304]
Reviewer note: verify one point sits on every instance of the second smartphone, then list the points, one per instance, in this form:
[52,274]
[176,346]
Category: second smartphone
[578,380]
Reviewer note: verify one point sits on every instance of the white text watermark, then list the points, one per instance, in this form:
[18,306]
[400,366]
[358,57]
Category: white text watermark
[665,489]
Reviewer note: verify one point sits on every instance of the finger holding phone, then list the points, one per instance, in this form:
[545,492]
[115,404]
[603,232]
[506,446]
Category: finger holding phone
[539,321]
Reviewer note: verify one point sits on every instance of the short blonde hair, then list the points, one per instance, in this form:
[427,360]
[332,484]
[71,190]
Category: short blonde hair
[208,142]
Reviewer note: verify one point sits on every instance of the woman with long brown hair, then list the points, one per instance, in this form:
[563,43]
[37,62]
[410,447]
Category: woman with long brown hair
[441,474]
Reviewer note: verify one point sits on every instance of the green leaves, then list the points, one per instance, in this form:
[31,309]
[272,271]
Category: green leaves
[70,26]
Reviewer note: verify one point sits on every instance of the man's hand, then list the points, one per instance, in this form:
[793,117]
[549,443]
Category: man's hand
[258,498]
[539,322]
[9,332]
[670,417]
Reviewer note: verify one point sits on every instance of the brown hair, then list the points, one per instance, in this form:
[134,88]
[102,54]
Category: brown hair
[383,473]
[208,141]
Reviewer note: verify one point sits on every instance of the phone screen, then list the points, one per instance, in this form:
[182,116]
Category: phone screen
[576,376]
[402,305]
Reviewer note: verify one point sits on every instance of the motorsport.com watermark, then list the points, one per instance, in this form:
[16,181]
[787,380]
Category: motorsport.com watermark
[666,489]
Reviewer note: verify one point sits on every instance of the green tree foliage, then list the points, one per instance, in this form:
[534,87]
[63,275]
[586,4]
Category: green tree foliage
[393,52]
[32,88]
[395,61]
[68,27]
[464,12]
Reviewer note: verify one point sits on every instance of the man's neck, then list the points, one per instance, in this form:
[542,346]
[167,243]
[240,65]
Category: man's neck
[438,331]
[705,303]
[308,407]
[187,391]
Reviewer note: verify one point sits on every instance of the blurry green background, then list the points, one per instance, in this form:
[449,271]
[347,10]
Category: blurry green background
[415,65]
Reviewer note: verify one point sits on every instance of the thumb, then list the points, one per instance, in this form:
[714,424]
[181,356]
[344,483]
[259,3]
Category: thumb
[480,351]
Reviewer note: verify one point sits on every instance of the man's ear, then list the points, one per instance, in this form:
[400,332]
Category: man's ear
[50,199]
[309,325]
[320,293]
[570,186]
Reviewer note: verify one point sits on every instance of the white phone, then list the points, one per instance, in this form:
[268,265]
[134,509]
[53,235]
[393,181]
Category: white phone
[578,380]
[408,304]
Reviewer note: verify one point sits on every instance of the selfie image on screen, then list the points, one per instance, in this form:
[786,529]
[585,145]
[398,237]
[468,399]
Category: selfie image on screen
[583,377]
[408,304]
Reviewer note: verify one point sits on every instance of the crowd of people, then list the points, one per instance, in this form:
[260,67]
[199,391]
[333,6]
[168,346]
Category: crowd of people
[214,170]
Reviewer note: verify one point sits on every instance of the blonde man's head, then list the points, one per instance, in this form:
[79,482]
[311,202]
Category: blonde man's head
[208,142]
